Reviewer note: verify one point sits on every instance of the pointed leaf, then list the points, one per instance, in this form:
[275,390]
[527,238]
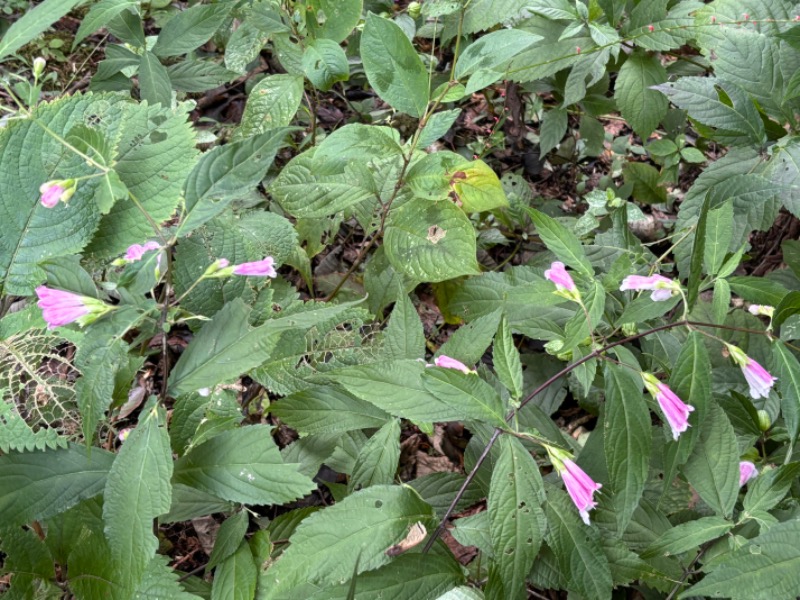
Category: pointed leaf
[243,465]
[377,462]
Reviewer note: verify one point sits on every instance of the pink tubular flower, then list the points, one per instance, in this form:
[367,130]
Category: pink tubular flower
[55,191]
[758,378]
[580,487]
[451,363]
[674,409]
[260,268]
[61,308]
[137,251]
[557,273]
[761,310]
[747,471]
[662,287]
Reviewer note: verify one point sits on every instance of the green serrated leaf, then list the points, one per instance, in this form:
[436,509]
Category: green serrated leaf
[137,491]
[326,546]
[767,567]
[236,577]
[272,103]
[493,50]
[506,360]
[242,465]
[466,394]
[154,84]
[430,241]
[713,467]
[640,105]
[229,537]
[404,336]
[333,19]
[561,242]
[377,461]
[626,432]
[190,28]
[38,485]
[688,536]
[719,232]
[327,409]
[225,173]
[517,521]
[696,262]
[786,368]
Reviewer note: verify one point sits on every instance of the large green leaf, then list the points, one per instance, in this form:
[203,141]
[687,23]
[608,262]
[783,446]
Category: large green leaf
[34,22]
[786,368]
[517,521]
[154,84]
[713,467]
[466,394]
[30,154]
[224,348]
[431,241]
[691,381]
[311,187]
[332,19]
[101,14]
[377,461]
[407,576]
[327,409]
[137,490]
[577,548]
[393,67]
[225,173]
[271,103]
[641,106]
[492,50]
[38,485]
[700,98]
[765,568]
[190,28]
[235,578]
[561,242]
[350,536]
[396,387]
[243,465]
[688,536]
[627,441]
[156,153]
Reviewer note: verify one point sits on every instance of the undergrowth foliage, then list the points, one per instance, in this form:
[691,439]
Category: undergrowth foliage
[182,335]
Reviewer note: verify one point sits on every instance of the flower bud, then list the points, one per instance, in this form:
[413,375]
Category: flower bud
[764,422]
[414,9]
[38,66]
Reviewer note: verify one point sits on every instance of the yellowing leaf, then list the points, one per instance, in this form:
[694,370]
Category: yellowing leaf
[478,187]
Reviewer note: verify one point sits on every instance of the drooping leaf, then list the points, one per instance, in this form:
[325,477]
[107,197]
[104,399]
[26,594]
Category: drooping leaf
[327,409]
[561,242]
[333,19]
[235,578]
[467,395]
[506,360]
[154,84]
[101,14]
[34,22]
[325,63]
[404,336]
[786,368]
[226,172]
[688,536]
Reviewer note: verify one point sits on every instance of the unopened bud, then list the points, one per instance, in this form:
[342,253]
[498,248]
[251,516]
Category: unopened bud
[764,422]
[414,9]
[38,66]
